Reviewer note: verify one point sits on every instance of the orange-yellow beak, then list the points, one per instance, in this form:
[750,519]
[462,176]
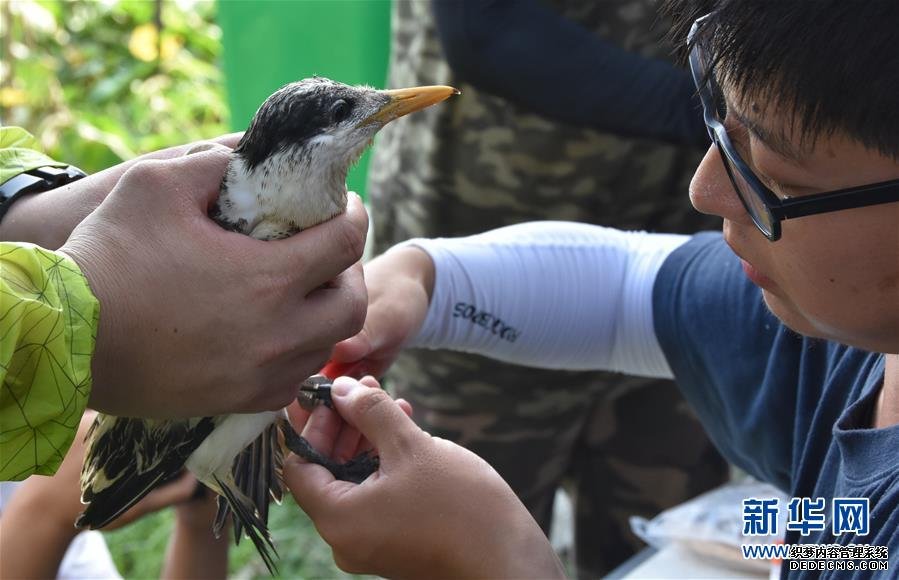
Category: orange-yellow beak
[405,101]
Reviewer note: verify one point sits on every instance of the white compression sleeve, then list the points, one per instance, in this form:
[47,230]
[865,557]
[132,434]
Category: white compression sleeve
[556,295]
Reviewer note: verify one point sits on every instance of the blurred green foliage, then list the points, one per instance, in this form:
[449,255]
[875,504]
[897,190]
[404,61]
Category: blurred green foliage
[138,549]
[98,82]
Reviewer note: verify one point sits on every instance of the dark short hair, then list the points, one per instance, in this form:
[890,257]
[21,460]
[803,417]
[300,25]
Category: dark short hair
[834,64]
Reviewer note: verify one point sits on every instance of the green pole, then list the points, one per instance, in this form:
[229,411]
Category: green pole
[269,43]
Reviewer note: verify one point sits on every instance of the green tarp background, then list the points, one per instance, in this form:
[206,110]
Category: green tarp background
[269,43]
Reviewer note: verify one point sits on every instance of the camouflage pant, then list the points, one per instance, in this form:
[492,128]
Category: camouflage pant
[622,446]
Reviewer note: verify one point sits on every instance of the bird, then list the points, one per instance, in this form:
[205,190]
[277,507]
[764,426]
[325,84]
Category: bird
[287,173]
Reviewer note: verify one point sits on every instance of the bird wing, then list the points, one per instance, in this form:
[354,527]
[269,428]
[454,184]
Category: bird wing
[257,476]
[127,458]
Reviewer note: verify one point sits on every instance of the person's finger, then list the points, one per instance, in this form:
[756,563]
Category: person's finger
[359,355]
[335,369]
[363,444]
[322,429]
[314,488]
[200,173]
[318,322]
[338,310]
[352,350]
[350,441]
[298,416]
[200,146]
[370,351]
[194,178]
[282,376]
[318,254]
[374,414]
[370,382]
[347,444]
[406,406]
[230,139]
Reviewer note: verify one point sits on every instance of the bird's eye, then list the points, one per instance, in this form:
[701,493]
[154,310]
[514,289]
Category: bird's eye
[340,110]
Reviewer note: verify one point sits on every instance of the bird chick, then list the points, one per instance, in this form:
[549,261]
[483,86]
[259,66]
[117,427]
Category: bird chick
[287,173]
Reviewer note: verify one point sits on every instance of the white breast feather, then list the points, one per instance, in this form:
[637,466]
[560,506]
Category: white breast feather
[285,190]
[230,437]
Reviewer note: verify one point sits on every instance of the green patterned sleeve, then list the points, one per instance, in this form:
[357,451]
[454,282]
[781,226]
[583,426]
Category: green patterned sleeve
[48,326]
[19,153]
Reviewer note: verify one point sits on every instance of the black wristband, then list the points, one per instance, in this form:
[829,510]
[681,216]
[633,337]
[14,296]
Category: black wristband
[36,181]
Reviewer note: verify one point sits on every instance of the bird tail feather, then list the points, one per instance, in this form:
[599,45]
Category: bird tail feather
[258,477]
[247,517]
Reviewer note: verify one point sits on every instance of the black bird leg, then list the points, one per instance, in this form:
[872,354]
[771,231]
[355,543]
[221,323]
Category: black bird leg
[314,390]
[355,470]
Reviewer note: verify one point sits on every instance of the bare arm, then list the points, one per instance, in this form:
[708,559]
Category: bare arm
[47,218]
[193,551]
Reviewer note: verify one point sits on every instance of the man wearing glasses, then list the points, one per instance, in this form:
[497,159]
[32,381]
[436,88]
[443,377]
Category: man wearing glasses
[783,332]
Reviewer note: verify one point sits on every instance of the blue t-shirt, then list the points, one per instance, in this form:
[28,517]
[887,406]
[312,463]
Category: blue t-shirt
[790,410]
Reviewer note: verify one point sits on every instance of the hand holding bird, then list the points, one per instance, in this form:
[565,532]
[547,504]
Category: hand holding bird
[196,320]
[286,175]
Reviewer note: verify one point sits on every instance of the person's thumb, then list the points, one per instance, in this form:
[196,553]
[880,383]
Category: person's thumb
[311,485]
[371,351]
[375,415]
[351,350]
[194,178]
[200,171]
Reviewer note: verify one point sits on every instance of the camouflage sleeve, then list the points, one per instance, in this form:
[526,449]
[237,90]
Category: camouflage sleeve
[565,72]
[554,295]
[48,325]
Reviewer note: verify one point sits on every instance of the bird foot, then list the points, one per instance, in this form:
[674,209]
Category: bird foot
[356,470]
[314,391]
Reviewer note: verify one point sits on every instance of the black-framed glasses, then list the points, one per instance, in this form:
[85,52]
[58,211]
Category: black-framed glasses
[764,207]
